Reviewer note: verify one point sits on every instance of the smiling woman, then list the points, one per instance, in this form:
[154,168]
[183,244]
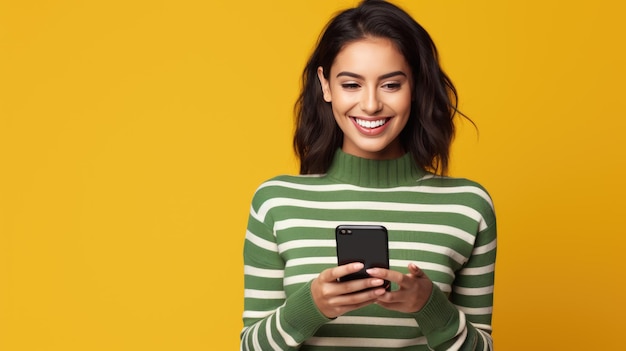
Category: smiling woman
[374,123]
[406,48]
[370,93]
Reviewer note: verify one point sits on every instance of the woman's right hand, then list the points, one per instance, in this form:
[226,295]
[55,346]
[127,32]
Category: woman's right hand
[335,298]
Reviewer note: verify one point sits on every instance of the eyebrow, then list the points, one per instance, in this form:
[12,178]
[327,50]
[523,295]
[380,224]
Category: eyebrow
[358,76]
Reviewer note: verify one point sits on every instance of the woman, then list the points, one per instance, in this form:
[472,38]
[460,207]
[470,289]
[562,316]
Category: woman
[374,127]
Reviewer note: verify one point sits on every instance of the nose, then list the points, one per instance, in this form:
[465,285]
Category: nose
[370,102]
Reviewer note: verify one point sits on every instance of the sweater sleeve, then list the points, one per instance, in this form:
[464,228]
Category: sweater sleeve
[462,321]
[272,321]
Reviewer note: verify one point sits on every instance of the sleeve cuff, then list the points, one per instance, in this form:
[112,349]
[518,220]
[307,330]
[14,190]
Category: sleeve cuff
[301,314]
[438,313]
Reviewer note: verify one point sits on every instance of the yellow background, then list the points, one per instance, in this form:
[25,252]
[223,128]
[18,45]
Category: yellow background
[133,134]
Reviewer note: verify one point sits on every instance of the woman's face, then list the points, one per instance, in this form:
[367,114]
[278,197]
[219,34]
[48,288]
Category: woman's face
[369,88]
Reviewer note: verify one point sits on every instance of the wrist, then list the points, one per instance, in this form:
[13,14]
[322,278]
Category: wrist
[426,291]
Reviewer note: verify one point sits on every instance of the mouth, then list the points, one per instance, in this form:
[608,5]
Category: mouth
[370,124]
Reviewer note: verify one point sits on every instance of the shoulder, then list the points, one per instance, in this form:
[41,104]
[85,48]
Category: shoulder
[284,186]
[289,181]
[463,190]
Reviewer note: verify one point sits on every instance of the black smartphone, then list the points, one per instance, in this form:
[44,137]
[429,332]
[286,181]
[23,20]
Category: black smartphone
[367,244]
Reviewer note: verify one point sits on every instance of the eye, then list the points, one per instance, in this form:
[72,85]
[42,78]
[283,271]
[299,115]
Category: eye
[391,86]
[350,86]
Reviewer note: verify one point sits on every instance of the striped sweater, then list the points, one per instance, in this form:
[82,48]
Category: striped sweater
[444,225]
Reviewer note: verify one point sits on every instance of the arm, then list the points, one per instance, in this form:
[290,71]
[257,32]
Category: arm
[271,320]
[461,321]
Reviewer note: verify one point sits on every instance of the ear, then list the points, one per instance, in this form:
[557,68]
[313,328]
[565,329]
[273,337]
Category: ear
[325,84]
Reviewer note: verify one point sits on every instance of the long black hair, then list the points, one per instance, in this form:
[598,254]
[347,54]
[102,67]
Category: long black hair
[430,128]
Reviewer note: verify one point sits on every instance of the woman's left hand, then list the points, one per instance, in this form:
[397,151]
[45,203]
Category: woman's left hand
[413,292]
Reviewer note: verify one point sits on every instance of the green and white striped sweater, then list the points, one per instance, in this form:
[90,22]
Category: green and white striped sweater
[445,225]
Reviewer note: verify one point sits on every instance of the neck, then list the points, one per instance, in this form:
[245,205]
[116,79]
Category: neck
[375,173]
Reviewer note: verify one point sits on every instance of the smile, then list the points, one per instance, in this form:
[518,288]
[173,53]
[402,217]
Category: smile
[371,124]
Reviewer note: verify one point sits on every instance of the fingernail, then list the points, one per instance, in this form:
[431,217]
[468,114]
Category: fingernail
[357,265]
[377,282]
[371,270]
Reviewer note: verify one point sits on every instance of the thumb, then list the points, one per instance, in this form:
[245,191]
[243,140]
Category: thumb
[415,270]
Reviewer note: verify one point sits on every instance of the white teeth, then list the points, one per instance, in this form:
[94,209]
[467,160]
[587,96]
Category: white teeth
[370,124]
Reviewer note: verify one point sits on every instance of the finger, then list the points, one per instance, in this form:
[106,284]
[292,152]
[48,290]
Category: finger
[415,270]
[386,274]
[353,287]
[332,274]
[357,285]
[358,298]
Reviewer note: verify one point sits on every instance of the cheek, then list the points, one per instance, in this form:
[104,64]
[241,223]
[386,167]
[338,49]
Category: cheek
[403,109]
[342,104]
[405,99]
[401,104]
[341,120]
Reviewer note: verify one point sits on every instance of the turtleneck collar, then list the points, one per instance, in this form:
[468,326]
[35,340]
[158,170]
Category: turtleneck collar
[374,173]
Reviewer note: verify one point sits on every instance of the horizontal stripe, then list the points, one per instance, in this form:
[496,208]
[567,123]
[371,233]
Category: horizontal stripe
[428,266]
[478,270]
[476,311]
[433,228]
[474,291]
[416,189]
[262,272]
[256,314]
[485,248]
[368,205]
[306,243]
[365,342]
[297,244]
[295,262]
[457,190]
[415,227]
[260,242]
[376,321]
[264,294]
[301,278]
[442,250]
[393,245]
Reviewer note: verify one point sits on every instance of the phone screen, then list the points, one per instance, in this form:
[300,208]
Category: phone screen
[367,244]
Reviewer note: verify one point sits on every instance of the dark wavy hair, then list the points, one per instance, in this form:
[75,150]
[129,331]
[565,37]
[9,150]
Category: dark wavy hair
[430,128]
